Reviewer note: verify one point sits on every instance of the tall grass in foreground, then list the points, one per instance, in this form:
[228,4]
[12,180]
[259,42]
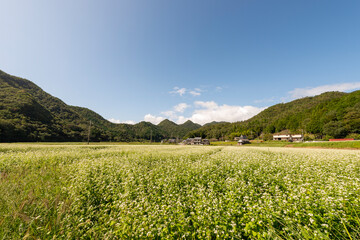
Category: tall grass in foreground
[171,192]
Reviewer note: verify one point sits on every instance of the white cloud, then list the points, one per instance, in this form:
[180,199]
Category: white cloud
[169,114]
[180,91]
[172,114]
[181,119]
[194,93]
[153,119]
[305,92]
[209,104]
[181,107]
[113,120]
[206,112]
[211,111]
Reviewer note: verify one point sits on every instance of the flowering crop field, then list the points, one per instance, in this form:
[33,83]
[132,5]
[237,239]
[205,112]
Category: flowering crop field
[172,192]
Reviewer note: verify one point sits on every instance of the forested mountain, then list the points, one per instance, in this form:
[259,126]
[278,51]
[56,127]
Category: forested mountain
[27,113]
[173,130]
[213,123]
[331,114]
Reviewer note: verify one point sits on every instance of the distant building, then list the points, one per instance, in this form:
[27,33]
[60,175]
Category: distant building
[172,140]
[281,137]
[243,140]
[297,137]
[289,137]
[206,142]
[196,141]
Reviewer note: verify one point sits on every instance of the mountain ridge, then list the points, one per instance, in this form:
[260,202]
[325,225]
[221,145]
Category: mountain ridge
[28,113]
[329,115]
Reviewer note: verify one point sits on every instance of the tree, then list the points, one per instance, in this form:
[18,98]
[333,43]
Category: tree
[335,129]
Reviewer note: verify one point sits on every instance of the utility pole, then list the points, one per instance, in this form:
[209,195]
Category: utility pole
[150,136]
[88,142]
[302,133]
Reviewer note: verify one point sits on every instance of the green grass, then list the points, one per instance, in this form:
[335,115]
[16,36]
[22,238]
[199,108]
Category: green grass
[344,145]
[254,144]
[223,143]
[348,144]
[171,192]
[84,143]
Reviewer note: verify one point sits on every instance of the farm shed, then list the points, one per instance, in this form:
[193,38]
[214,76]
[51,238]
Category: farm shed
[205,142]
[243,140]
[289,137]
[197,141]
[189,141]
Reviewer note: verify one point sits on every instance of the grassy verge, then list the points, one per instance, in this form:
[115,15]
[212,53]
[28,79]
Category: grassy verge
[253,144]
[338,145]
[349,145]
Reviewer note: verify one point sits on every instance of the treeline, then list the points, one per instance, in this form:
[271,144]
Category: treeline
[28,114]
[329,115]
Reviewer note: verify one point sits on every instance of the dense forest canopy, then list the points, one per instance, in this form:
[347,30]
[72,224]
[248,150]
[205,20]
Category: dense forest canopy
[329,115]
[27,113]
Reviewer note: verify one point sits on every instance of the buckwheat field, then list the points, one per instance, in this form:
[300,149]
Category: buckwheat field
[178,192]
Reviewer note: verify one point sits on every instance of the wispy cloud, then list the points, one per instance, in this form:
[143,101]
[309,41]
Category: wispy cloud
[179,91]
[183,91]
[113,120]
[305,92]
[194,93]
[218,89]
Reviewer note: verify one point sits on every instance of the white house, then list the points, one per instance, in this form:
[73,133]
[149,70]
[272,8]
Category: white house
[289,137]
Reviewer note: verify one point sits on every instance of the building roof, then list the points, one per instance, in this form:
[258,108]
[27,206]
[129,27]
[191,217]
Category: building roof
[281,136]
[287,136]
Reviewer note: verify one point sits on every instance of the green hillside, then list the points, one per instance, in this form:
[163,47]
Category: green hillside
[27,113]
[173,130]
[331,114]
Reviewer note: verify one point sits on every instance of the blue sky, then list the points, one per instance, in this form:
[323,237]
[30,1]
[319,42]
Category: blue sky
[182,59]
